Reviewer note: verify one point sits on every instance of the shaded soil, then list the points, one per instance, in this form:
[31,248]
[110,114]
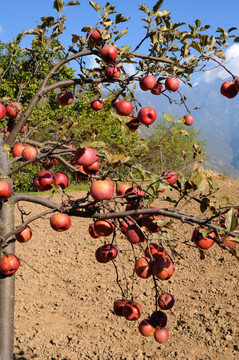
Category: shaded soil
[64,312]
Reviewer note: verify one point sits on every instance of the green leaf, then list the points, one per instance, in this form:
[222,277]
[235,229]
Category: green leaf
[220,55]
[144,8]
[205,27]
[231,220]
[96,7]
[204,204]
[72,3]
[196,46]
[236,40]
[157,6]
[167,117]
[120,18]
[182,132]
[124,49]
[197,107]
[122,33]
[231,29]
[162,13]
[198,23]
[58,5]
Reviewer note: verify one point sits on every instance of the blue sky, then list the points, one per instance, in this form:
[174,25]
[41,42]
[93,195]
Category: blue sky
[25,14]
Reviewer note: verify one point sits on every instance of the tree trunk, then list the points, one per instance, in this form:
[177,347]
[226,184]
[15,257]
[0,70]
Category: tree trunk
[7,283]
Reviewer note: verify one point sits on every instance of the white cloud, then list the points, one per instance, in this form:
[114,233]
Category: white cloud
[130,69]
[232,63]
[1,29]
[92,62]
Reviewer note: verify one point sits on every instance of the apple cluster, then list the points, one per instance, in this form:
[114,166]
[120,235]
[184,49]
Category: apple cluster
[12,111]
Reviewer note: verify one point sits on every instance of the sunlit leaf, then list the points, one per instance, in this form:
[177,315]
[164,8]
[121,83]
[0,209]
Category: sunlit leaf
[182,132]
[231,220]
[167,117]
[96,7]
[72,3]
[58,5]
[122,33]
[220,55]
[144,8]
[198,23]
[157,6]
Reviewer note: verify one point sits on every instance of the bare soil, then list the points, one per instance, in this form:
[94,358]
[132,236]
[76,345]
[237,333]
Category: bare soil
[64,312]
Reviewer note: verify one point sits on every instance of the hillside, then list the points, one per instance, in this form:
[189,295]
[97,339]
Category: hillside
[216,119]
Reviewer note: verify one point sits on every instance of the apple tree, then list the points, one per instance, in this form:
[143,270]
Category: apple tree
[121,193]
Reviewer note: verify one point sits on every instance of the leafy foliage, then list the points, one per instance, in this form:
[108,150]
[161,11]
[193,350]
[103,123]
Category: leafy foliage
[173,147]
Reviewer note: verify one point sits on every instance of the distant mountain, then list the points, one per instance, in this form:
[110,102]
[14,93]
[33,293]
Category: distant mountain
[217,119]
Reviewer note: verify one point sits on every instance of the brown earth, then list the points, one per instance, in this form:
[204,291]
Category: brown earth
[65,312]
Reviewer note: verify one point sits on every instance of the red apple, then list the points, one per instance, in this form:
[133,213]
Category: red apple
[161,335]
[121,188]
[102,190]
[92,169]
[148,221]
[228,89]
[189,119]
[107,252]
[65,98]
[166,301]
[94,35]
[92,231]
[13,109]
[134,234]
[112,72]
[48,163]
[61,179]
[132,124]
[2,111]
[17,149]
[104,227]
[72,146]
[85,156]
[5,190]
[163,268]
[29,152]
[132,310]
[236,84]
[172,84]
[124,107]
[147,115]
[146,328]
[124,225]
[44,180]
[9,264]
[134,193]
[143,267]
[156,251]
[228,242]
[147,82]
[159,318]
[170,176]
[158,89]
[96,104]
[201,241]
[118,307]
[80,173]
[60,222]
[108,54]
[24,234]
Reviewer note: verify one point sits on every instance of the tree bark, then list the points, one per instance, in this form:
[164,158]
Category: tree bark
[7,283]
